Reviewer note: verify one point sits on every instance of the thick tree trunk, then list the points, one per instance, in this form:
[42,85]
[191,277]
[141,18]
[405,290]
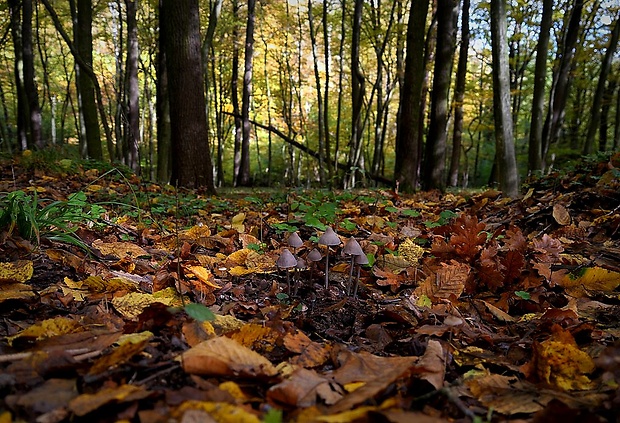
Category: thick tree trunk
[22,100]
[408,137]
[34,111]
[191,158]
[164,133]
[506,161]
[435,153]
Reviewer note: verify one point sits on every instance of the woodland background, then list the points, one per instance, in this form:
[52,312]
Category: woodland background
[338,93]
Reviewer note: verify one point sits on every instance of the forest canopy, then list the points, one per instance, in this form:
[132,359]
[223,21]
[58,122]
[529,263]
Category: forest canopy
[421,94]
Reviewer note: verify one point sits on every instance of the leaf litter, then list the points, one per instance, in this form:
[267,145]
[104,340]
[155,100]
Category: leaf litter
[175,306]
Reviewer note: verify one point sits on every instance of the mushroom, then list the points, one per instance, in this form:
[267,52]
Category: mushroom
[353,249]
[360,260]
[313,256]
[299,267]
[294,241]
[287,261]
[328,238]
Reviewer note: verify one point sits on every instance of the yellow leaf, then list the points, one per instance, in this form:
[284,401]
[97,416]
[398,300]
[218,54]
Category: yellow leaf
[237,222]
[591,279]
[204,275]
[16,272]
[216,411]
[410,251]
[233,389]
[48,328]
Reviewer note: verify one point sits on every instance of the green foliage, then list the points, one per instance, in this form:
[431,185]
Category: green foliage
[199,312]
[273,415]
[444,217]
[524,295]
[36,218]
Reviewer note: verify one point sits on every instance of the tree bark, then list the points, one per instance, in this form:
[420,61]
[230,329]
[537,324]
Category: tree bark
[357,99]
[459,95]
[243,179]
[560,88]
[435,153]
[234,95]
[595,118]
[535,157]
[320,117]
[132,156]
[164,132]
[504,143]
[191,158]
[408,136]
[34,111]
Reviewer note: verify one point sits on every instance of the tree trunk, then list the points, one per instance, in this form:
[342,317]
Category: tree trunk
[560,88]
[459,95]
[504,143]
[243,179]
[408,136]
[319,97]
[22,100]
[86,90]
[595,118]
[35,137]
[605,108]
[191,158]
[357,99]
[535,157]
[132,157]
[164,132]
[435,153]
[234,95]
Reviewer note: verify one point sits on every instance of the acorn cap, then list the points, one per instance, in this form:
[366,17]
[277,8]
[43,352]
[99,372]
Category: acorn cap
[329,237]
[362,260]
[294,240]
[286,260]
[314,255]
[352,248]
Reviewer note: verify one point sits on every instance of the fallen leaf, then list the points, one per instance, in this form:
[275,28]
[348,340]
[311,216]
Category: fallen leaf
[222,356]
[16,272]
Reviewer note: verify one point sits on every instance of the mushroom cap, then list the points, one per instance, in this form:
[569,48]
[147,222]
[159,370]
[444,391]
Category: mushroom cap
[362,260]
[294,240]
[301,263]
[286,260]
[329,237]
[352,248]
[314,255]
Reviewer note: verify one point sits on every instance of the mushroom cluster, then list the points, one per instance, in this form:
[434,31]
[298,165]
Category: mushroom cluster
[329,238]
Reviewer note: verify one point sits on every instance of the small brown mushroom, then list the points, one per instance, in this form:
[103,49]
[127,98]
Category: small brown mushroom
[287,261]
[360,260]
[328,238]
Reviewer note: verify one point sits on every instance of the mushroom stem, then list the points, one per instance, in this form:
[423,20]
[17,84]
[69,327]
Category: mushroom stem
[350,275]
[327,268]
[288,281]
[357,279]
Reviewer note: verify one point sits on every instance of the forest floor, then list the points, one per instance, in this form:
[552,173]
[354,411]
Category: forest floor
[121,300]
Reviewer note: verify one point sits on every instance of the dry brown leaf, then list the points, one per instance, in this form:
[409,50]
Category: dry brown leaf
[311,354]
[87,403]
[448,281]
[561,214]
[119,249]
[303,388]
[223,356]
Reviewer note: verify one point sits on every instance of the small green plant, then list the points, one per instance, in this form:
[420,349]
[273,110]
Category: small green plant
[35,218]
